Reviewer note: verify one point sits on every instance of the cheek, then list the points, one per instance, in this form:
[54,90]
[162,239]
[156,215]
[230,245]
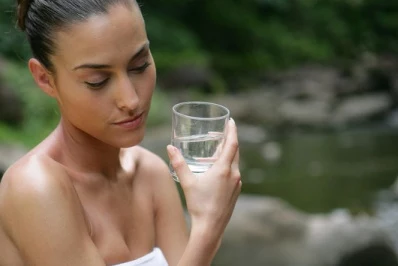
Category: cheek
[89,114]
[147,83]
[78,103]
[151,79]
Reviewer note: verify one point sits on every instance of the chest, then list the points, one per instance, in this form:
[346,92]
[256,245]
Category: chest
[120,220]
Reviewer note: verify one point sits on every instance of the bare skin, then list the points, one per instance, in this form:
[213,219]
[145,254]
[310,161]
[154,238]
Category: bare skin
[88,195]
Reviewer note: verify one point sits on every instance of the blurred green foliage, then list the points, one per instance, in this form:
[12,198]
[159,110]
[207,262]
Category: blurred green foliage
[40,111]
[12,41]
[242,38]
[245,37]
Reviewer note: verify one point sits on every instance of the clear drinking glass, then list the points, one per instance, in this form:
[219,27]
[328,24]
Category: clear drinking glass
[198,131]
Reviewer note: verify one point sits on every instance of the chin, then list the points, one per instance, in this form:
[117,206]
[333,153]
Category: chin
[134,139]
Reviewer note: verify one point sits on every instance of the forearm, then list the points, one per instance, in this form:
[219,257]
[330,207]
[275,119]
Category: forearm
[201,249]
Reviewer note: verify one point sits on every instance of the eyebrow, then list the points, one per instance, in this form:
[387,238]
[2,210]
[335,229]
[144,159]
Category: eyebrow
[101,66]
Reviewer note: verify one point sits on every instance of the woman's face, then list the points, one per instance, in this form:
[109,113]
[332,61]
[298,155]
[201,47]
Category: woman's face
[105,75]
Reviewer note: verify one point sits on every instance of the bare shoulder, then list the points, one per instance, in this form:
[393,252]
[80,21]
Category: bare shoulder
[154,172]
[33,182]
[33,174]
[41,214]
[150,164]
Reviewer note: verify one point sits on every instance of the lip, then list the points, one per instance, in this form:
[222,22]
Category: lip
[131,123]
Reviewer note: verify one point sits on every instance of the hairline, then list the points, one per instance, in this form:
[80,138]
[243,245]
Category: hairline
[65,27]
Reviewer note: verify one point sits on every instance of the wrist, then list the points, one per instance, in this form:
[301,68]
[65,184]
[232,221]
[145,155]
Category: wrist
[206,236]
[201,249]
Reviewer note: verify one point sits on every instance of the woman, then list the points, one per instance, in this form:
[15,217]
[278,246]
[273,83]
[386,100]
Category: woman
[87,195]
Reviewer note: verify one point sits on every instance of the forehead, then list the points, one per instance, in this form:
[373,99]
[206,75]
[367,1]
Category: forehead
[105,38]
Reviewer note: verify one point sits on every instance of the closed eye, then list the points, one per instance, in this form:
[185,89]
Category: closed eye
[96,85]
[140,69]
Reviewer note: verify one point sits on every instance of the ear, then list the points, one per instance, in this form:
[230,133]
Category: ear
[42,77]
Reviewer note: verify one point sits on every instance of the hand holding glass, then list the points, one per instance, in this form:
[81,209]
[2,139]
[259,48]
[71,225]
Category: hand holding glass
[198,131]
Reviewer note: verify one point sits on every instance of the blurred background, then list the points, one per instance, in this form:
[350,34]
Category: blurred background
[313,87]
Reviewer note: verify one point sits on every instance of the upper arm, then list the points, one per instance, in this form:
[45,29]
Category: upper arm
[41,213]
[171,228]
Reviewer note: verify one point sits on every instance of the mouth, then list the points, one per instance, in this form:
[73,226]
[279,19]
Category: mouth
[132,122]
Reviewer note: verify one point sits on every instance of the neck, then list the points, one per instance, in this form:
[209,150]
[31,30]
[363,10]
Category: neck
[86,153]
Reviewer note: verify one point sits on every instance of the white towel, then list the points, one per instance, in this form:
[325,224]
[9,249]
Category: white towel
[155,258]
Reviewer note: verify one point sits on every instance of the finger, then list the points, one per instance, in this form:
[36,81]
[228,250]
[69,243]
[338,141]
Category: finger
[179,165]
[231,144]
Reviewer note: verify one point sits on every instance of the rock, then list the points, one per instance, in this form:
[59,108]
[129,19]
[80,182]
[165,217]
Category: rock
[260,231]
[8,155]
[338,234]
[267,231]
[369,256]
[306,112]
[361,108]
[355,79]
[262,107]
[309,82]
[386,211]
[387,214]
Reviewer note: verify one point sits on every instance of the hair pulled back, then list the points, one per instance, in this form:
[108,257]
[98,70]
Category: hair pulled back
[22,10]
[40,19]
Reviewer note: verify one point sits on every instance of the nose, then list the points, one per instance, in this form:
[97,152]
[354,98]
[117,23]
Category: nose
[126,96]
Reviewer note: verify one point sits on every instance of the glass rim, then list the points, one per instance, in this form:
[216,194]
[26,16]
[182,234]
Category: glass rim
[198,117]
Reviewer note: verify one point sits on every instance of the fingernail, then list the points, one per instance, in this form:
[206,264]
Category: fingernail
[171,150]
[232,120]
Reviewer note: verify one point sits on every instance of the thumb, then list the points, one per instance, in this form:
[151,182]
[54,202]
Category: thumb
[181,168]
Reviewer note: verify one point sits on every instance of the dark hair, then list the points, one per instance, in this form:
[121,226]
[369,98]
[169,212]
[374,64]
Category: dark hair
[41,18]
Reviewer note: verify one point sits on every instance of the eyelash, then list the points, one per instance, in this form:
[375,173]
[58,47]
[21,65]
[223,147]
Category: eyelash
[138,70]
[141,68]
